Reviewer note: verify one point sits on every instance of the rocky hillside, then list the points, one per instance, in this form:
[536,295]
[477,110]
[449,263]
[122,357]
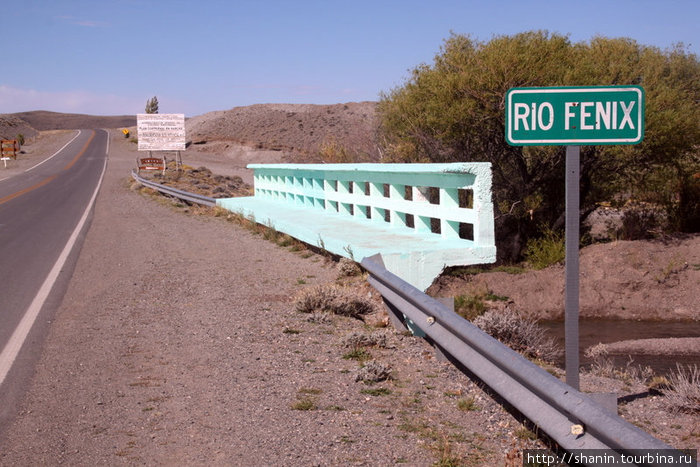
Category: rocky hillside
[302,129]
[11,126]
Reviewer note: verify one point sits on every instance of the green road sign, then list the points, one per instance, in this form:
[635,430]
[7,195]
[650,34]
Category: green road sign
[575,115]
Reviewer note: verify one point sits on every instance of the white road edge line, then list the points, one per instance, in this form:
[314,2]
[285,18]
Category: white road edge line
[13,346]
[64,146]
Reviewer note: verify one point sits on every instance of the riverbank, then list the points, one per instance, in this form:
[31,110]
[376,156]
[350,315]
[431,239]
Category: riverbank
[646,280]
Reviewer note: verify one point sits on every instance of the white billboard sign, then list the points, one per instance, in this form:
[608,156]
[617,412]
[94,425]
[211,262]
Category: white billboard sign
[161,132]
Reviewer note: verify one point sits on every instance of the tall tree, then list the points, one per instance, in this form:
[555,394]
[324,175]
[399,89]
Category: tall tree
[152,105]
[454,110]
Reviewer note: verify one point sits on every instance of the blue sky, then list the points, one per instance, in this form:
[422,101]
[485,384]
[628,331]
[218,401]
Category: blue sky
[107,57]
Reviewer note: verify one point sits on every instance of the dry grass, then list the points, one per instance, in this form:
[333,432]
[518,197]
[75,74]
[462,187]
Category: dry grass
[333,299]
[684,392]
[304,404]
[468,404]
[361,339]
[374,372]
[603,366]
[348,268]
[358,354]
[520,334]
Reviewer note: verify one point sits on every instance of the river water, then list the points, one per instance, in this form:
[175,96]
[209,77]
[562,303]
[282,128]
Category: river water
[592,332]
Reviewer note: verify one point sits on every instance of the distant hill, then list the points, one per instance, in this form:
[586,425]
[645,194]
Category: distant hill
[45,120]
[349,129]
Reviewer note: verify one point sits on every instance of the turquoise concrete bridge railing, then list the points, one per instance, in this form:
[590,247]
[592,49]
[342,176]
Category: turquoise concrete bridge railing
[420,217]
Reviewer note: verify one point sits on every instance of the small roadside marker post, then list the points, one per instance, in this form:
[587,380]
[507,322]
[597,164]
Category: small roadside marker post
[8,150]
[574,116]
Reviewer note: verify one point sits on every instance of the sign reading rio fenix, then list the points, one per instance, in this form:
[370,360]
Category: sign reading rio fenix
[575,115]
[161,132]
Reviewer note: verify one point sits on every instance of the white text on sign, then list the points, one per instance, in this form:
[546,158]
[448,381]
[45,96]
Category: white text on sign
[581,115]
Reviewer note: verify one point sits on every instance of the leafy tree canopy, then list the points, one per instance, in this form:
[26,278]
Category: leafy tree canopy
[454,110]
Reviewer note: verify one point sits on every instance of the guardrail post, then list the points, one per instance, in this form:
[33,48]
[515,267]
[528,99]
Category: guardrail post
[440,354]
[396,318]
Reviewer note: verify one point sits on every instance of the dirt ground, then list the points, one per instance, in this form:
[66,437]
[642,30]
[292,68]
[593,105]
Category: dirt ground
[626,280]
[186,349]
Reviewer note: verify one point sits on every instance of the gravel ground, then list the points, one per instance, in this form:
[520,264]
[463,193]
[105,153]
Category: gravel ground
[177,343]
[672,346]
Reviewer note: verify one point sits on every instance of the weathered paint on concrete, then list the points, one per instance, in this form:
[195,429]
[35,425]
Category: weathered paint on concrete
[343,208]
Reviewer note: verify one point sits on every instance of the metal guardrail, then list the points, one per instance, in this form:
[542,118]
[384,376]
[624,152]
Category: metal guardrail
[174,192]
[569,417]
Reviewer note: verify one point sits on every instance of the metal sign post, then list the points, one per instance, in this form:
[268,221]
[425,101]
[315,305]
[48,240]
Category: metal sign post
[571,117]
[571,302]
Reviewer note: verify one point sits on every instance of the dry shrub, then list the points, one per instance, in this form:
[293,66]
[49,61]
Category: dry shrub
[348,268]
[333,299]
[603,365]
[520,334]
[373,372]
[320,318]
[359,339]
[684,393]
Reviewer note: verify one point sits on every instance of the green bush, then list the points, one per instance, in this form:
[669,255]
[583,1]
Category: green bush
[451,110]
[546,250]
[470,306]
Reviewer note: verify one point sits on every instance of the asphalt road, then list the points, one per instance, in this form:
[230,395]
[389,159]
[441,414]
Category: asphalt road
[44,214]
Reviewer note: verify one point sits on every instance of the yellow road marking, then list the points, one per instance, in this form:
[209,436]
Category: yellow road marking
[48,179]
